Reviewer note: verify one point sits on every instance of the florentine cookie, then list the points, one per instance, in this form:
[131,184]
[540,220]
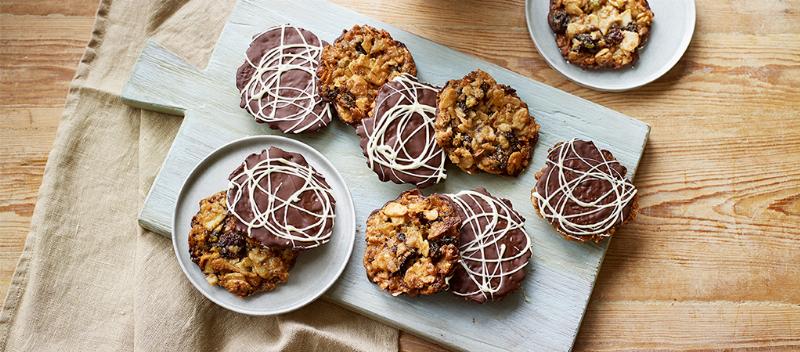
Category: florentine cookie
[599,34]
[412,244]
[281,201]
[494,247]
[278,82]
[230,259]
[483,125]
[398,140]
[582,191]
[355,67]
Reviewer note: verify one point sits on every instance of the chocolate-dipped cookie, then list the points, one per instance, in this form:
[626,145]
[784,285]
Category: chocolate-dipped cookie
[356,65]
[582,191]
[398,140]
[493,244]
[485,126]
[281,201]
[278,83]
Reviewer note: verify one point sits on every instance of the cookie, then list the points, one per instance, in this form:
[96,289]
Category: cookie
[281,201]
[483,125]
[493,244]
[582,191]
[228,258]
[412,244]
[278,83]
[356,65]
[398,140]
[600,34]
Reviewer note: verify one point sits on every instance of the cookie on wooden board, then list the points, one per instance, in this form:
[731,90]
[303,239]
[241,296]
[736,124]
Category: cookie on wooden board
[582,191]
[600,34]
[355,66]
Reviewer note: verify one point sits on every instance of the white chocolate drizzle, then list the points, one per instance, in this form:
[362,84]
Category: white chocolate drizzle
[482,209]
[257,180]
[395,154]
[265,92]
[552,206]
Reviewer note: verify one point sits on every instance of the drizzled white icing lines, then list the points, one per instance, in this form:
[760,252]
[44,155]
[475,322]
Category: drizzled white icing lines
[283,198]
[399,128]
[571,169]
[282,90]
[489,227]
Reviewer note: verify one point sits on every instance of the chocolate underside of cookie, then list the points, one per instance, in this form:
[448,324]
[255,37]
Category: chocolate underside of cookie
[492,257]
[412,244]
[356,65]
[600,34]
[285,95]
[400,135]
[606,205]
[483,125]
[288,219]
[228,258]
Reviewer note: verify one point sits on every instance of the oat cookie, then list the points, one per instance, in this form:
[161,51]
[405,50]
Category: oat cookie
[230,259]
[582,191]
[483,125]
[356,65]
[599,34]
[412,244]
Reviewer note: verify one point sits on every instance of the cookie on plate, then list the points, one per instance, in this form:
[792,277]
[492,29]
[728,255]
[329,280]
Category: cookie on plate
[412,244]
[278,83]
[582,191]
[230,259]
[356,65]
[494,247]
[398,140]
[600,34]
[279,200]
[483,125]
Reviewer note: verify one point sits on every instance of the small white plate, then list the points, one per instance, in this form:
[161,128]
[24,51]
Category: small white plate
[672,30]
[315,270]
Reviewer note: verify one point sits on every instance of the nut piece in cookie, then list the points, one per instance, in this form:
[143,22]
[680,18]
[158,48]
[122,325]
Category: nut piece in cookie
[600,34]
[483,125]
[229,258]
[278,83]
[398,140]
[582,191]
[494,247]
[412,244]
[356,65]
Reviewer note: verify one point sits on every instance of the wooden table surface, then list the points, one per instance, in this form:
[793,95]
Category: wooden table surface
[713,260]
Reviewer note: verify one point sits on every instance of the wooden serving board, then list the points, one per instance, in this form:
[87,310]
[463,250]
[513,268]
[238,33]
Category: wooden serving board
[544,315]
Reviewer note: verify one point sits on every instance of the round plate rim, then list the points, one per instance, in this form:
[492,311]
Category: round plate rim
[587,84]
[268,139]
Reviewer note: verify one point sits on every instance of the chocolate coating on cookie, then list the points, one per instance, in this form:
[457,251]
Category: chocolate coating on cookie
[483,125]
[356,65]
[412,244]
[277,81]
[398,140]
[281,201]
[494,247]
[600,34]
[582,191]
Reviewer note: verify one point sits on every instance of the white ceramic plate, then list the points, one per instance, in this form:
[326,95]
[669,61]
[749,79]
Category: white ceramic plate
[315,270]
[672,30]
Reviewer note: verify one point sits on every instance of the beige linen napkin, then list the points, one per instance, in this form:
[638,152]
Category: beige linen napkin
[89,278]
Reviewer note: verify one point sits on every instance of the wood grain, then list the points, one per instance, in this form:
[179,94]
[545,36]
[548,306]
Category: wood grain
[712,261]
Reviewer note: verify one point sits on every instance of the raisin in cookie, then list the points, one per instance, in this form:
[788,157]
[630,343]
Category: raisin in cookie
[356,65]
[582,191]
[412,244]
[483,125]
[599,34]
[229,258]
